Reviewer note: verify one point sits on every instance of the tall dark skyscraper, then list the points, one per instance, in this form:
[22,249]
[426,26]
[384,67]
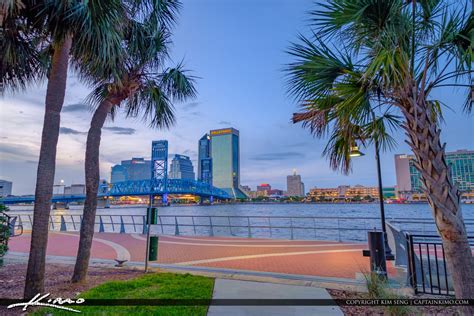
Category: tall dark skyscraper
[181,168]
[225,154]
[204,160]
[131,170]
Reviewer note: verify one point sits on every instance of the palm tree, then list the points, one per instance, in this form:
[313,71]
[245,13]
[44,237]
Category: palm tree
[385,61]
[39,39]
[145,87]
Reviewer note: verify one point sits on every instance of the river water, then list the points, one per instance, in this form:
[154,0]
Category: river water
[348,222]
[267,209]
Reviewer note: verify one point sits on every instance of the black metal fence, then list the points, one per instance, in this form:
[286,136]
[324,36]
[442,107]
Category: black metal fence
[427,268]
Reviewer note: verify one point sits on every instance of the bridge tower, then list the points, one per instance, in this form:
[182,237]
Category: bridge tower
[159,164]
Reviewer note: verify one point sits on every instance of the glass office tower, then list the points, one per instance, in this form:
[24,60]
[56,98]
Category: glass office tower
[204,160]
[181,168]
[225,160]
[461,164]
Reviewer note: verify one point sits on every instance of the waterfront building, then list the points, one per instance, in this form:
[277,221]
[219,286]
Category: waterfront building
[181,168]
[294,186]
[75,189]
[461,164]
[5,188]
[225,155]
[131,170]
[263,189]
[345,192]
[205,160]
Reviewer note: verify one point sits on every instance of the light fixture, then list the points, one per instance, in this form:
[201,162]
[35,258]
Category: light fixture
[355,152]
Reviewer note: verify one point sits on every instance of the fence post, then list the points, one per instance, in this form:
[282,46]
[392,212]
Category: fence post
[144,230]
[248,225]
[122,226]
[291,226]
[211,233]
[176,226]
[338,230]
[63,224]
[101,225]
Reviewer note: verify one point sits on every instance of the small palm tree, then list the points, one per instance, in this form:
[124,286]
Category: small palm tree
[38,41]
[391,55]
[144,87]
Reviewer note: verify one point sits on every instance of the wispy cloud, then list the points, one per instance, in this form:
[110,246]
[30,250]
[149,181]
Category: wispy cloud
[224,123]
[278,156]
[76,107]
[190,106]
[70,131]
[121,130]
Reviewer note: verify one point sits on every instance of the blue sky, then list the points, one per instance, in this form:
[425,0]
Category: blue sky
[237,48]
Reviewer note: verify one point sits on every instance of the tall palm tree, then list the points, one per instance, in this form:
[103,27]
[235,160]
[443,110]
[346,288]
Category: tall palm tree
[38,40]
[385,61]
[145,87]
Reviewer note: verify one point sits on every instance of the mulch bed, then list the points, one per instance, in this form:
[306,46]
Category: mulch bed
[378,310]
[57,281]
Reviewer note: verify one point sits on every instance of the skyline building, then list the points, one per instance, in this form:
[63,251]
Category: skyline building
[460,162]
[131,170]
[181,168]
[204,160]
[225,155]
[294,185]
[5,188]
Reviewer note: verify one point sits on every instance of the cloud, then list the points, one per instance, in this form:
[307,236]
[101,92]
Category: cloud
[190,106]
[278,156]
[224,123]
[17,151]
[76,107]
[70,131]
[121,130]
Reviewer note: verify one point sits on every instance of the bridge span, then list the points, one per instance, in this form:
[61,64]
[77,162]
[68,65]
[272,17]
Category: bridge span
[155,187]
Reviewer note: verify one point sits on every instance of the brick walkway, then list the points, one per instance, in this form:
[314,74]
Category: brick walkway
[315,258]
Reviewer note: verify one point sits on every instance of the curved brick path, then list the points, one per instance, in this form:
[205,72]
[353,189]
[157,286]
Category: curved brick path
[316,258]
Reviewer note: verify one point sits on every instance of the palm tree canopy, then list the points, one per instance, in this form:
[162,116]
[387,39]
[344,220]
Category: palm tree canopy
[146,86]
[31,29]
[353,89]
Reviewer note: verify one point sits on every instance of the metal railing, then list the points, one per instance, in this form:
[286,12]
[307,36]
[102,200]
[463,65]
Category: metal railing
[424,226]
[427,268]
[276,227]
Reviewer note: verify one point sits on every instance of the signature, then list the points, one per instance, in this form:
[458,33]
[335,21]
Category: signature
[55,303]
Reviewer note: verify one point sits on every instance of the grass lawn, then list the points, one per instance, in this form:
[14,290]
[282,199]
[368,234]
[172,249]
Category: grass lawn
[148,286]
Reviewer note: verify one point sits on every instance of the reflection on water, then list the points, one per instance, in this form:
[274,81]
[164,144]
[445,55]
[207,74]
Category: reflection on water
[339,210]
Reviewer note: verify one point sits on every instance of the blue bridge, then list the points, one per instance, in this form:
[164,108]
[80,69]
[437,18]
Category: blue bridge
[156,187]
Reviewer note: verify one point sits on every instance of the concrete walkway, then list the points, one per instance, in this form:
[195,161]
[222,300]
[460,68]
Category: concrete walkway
[234,289]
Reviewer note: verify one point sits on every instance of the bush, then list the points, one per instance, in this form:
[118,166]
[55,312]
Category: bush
[378,288]
[4,230]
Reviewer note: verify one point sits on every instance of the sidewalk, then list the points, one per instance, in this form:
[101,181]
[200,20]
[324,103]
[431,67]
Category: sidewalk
[234,289]
[293,257]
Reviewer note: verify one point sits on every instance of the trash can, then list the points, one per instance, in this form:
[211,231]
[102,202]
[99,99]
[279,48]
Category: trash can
[153,249]
[377,253]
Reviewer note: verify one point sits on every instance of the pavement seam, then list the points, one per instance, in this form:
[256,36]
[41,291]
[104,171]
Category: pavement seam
[121,252]
[249,246]
[281,254]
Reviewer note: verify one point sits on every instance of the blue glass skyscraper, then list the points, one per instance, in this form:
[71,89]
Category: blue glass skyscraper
[225,155]
[204,160]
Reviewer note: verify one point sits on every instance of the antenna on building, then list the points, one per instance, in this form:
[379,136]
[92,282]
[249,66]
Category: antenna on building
[294,171]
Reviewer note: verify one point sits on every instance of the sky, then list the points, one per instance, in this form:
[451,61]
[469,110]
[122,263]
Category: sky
[238,51]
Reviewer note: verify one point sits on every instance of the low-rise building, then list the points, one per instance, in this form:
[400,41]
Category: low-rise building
[5,188]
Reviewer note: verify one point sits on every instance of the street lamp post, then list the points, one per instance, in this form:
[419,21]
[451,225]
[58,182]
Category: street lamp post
[388,251]
[355,152]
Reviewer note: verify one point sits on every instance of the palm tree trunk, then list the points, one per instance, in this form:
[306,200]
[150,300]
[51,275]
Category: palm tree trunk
[443,196]
[92,186]
[46,168]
